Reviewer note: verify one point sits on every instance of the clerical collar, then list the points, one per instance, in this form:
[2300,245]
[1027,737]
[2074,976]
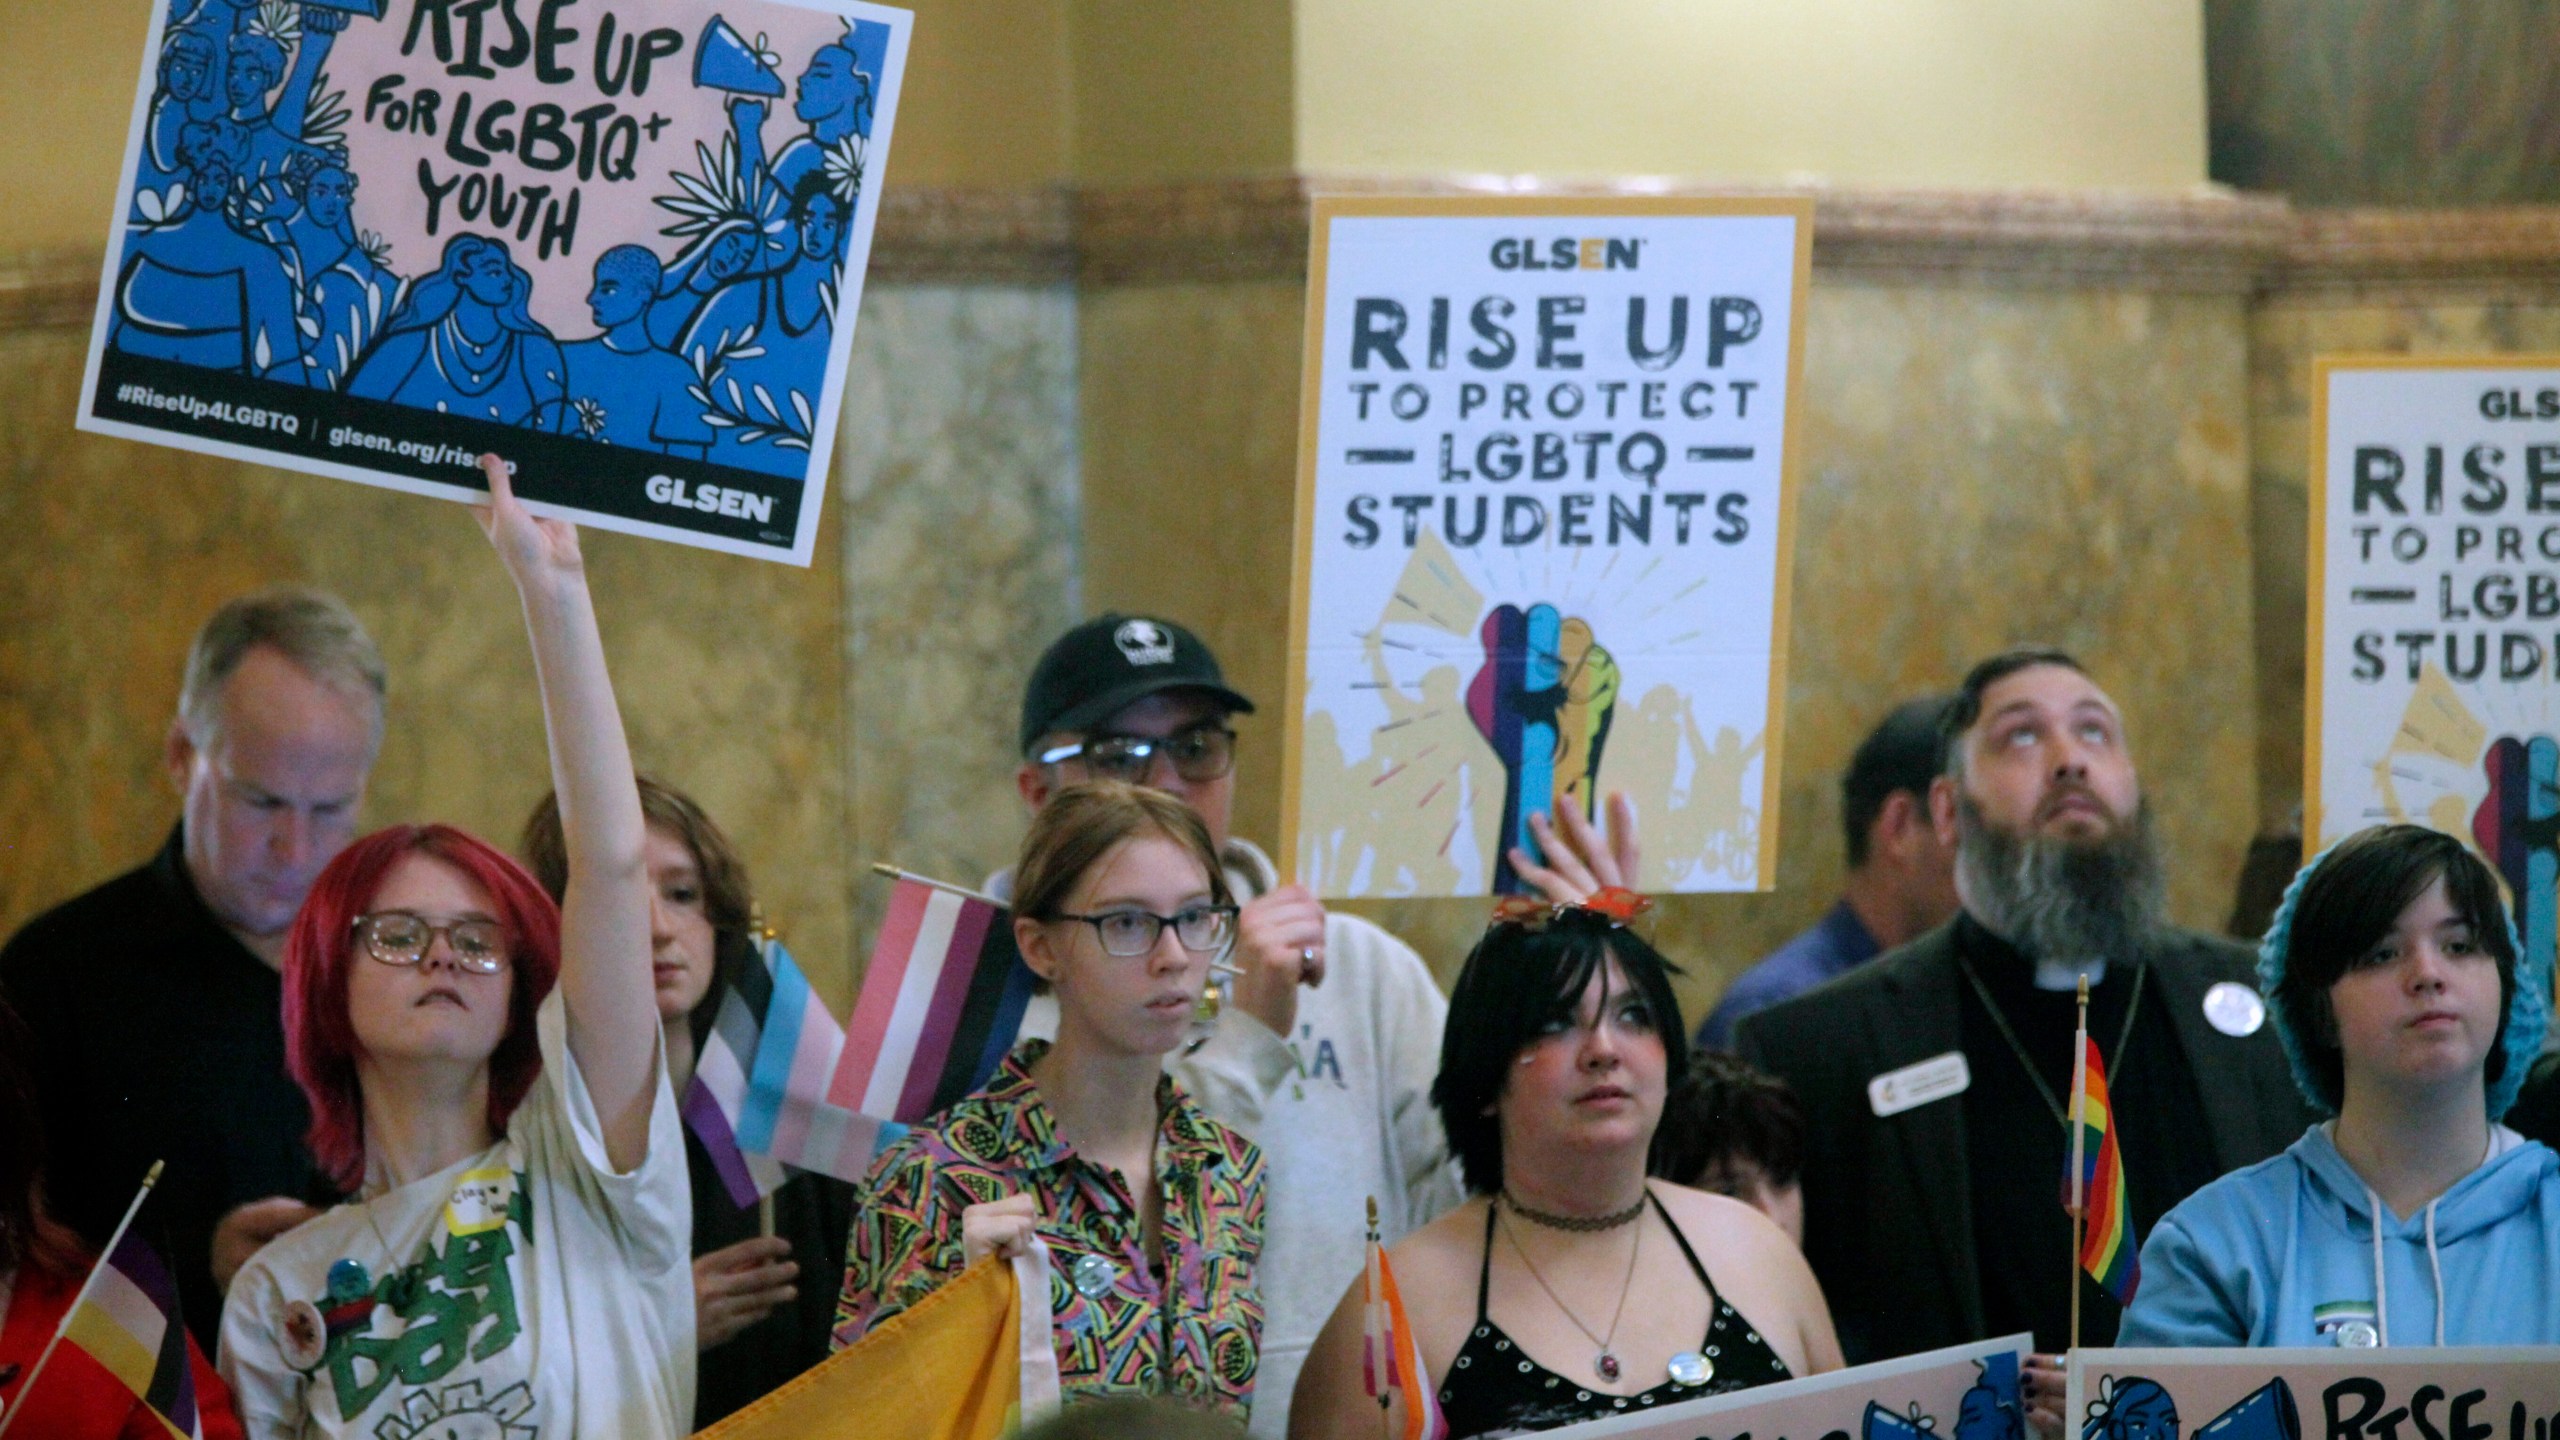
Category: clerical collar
[2060,976]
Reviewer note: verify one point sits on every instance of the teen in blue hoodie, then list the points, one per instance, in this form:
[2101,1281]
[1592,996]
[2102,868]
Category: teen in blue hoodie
[2413,1217]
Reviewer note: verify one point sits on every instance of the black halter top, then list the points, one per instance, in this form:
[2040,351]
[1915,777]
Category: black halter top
[1493,1389]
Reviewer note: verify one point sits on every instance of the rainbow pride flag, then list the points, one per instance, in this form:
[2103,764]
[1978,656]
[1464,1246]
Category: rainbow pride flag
[2108,1249]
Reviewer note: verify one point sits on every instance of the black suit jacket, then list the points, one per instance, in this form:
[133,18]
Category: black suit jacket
[1888,1212]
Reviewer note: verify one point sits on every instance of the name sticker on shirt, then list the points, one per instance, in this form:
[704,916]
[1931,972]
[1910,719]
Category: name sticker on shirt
[1912,1086]
[480,1201]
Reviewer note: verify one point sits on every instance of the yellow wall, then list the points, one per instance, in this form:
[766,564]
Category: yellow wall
[66,96]
[1917,92]
[1180,89]
[985,97]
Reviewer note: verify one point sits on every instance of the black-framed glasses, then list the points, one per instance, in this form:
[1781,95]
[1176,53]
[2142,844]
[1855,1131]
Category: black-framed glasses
[1202,929]
[396,937]
[1200,753]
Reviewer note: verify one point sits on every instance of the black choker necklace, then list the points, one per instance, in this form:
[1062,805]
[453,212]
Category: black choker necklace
[1579,1224]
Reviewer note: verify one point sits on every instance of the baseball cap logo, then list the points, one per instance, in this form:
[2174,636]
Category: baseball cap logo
[1144,642]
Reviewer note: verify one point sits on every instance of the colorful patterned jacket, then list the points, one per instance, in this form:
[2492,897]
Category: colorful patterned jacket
[1194,1334]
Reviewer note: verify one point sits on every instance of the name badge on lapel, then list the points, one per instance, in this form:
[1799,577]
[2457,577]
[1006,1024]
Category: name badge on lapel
[1912,1086]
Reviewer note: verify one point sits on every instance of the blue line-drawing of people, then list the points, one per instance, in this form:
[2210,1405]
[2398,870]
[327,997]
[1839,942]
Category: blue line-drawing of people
[343,276]
[2136,1408]
[835,98]
[195,285]
[1988,1410]
[221,60]
[767,336]
[190,88]
[623,389]
[257,62]
[464,344]
[727,245]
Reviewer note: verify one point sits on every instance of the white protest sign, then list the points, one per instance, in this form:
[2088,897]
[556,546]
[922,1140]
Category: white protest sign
[2402,1393]
[1543,534]
[2433,692]
[1964,1392]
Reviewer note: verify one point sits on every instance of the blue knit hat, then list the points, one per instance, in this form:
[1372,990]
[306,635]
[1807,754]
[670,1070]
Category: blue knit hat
[2528,1010]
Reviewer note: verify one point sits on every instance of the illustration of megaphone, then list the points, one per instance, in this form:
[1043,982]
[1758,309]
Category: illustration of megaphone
[1883,1424]
[2266,1414]
[723,60]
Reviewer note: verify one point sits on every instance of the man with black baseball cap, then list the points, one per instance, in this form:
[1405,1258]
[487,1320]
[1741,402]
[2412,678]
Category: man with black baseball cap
[1329,1035]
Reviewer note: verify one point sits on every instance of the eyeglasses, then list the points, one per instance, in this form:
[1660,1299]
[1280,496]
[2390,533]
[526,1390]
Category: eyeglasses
[1201,753]
[1202,929]
[396,937]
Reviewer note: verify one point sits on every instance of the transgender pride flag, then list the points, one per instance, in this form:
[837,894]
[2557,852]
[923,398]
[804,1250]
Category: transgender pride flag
[940,1005]
[786,1114]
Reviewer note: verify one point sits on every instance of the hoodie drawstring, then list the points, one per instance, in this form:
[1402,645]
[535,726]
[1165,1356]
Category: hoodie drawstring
[2435,1267]
[2381,1292]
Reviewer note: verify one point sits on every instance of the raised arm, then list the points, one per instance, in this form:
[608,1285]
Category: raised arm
[604,915]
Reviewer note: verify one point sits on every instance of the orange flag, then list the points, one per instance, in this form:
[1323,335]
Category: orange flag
[966,1363]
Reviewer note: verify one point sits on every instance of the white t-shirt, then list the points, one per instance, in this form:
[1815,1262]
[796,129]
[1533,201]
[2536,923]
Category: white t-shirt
[526,1293]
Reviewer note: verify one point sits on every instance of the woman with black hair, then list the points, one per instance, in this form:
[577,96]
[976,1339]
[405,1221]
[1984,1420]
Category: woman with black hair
[764,1276]
[1571,1287]
[2413,1216]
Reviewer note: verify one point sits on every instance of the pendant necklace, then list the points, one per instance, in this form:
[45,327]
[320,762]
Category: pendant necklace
[1604,1363]
[2000,1022]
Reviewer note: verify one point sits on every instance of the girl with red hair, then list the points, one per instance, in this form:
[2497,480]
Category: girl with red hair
[485,1082]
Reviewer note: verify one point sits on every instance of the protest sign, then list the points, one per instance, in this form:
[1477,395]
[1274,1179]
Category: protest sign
[1964,1392]
[2433,692]
[2451,1393]
[619,242]
[1542,534]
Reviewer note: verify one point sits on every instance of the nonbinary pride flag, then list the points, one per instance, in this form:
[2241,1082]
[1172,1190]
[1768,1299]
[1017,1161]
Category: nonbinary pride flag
[1390,1359]
[2108,1250]
[786,1115]
[128,1323]
[716,1101]
[941,1004]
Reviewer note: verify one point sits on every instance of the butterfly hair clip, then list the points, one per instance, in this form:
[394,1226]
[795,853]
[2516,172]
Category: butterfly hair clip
[1615,904]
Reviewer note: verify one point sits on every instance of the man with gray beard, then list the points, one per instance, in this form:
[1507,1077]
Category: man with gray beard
[1935,1079]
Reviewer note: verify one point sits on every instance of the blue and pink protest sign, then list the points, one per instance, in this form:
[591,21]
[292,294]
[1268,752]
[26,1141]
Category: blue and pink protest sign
[619,242]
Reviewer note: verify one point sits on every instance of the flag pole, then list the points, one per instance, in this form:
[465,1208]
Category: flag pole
[963,891]
[64,1324]
[1386,1343]
[2079,1133]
